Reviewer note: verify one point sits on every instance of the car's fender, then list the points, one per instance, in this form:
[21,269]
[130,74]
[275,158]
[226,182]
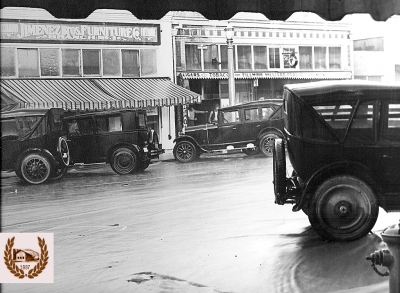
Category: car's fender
[47,153]
[270,129]
[338,168]
[191,139]
[131,146]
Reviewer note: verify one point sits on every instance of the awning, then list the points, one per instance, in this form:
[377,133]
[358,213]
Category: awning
[94,93]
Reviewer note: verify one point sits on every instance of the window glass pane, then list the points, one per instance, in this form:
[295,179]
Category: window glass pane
[49,62]
[148,62]
[266,112]
[334,58]
[305,58]
[130,63]
[224,56]
[320,57]
[230,117]
[260,57]
[85,126]
[193,58]
[361,128]
[115,123]
[108,124]
[251,114]
[210,56]
[244,57]
[26,124]
[28,63]
[392,132]
[91,62]
[71,65]
[274,58]
[9,128]
[111,63]
[373,44]
[141,121]
[73,127]
[7,62]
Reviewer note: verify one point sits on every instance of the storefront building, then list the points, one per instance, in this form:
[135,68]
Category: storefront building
[110,60]
[267,55]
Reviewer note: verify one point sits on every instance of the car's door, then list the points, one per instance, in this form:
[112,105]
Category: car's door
[9,143]
[228,122]
[81,140]
[250,127]
[108,132]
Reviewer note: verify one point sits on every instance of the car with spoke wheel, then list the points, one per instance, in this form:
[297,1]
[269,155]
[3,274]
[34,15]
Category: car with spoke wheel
[343,142]
[32,144]
[121,138]
[249,127]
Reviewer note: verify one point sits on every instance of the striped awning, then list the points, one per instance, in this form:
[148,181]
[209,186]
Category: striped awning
[94,93]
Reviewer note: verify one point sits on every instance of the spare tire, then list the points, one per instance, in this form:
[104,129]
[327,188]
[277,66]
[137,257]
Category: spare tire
[279,165]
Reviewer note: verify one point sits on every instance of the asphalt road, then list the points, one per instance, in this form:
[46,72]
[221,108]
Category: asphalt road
[207,226]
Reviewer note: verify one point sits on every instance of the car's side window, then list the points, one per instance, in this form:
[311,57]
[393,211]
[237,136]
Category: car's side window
[266,112]
[362,126]
[26,124]
[230,116]
[9,128]
[73,127]
[108,124]
[251,114]
[85,126]
[392,132]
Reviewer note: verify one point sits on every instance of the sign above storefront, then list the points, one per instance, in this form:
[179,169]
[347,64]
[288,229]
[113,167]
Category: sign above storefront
[16,31]
[267,75]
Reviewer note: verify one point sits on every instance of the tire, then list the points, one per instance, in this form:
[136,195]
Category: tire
[63,150]
[343,208]
[124,161]
[279,168]
[252,152]
[185,152]
[144,165]
[35,168]
[267,143]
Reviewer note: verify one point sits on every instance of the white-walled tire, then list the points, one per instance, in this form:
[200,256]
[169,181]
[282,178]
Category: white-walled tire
[35,168]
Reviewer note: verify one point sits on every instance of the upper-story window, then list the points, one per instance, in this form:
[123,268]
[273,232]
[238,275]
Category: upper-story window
[71,62]
[260,57]
[193,57]
[130,63]
[91,62]
[244,57]
[274,58]
[28,62]
[372,44]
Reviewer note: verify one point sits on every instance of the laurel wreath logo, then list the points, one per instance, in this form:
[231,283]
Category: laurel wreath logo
[19,273]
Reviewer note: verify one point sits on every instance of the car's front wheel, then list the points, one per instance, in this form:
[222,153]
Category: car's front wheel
[267,142]
[35,168]
[343,208]
[124,161]
[185,151]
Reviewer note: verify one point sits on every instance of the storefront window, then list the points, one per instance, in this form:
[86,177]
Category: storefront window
[260,57]
[224,56]
[28,62]
[49,62]
[244,57]
[91,62]
[334,58]
[71,62]
[111,63]
[210,56]
[305,58]
[130,63]
[7,62]
[320,57]
[193,57]
[274,58]
[148,62]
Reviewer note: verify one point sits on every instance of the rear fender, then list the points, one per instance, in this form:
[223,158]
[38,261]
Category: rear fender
[269,130]
[191,139]
[132,147]
[339,168]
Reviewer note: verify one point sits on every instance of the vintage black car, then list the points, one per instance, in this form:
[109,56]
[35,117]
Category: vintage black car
[118,137]
[251,127]
[32,144]
[343,142]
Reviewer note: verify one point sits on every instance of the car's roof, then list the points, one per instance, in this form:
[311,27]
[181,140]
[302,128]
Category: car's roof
[255,104]
[330,86]
[101,113]
[23,113]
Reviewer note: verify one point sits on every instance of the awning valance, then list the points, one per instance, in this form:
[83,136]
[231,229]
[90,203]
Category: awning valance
[268,75]
[94,93]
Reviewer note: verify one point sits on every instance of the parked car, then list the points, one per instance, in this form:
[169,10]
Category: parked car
[118,137]
[32,144]
[251,127]
[343,142]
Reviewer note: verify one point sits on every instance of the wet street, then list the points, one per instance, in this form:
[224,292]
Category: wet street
[207,226]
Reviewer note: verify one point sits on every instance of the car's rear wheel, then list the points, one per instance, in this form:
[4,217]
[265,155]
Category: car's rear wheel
[124,161]
[35,168]
[185,151]
[267,143]
[252,152]
[343,208]
[279,168]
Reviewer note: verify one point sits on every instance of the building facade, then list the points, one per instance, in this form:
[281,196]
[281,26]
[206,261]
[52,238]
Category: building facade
[267,55]
[48,62]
